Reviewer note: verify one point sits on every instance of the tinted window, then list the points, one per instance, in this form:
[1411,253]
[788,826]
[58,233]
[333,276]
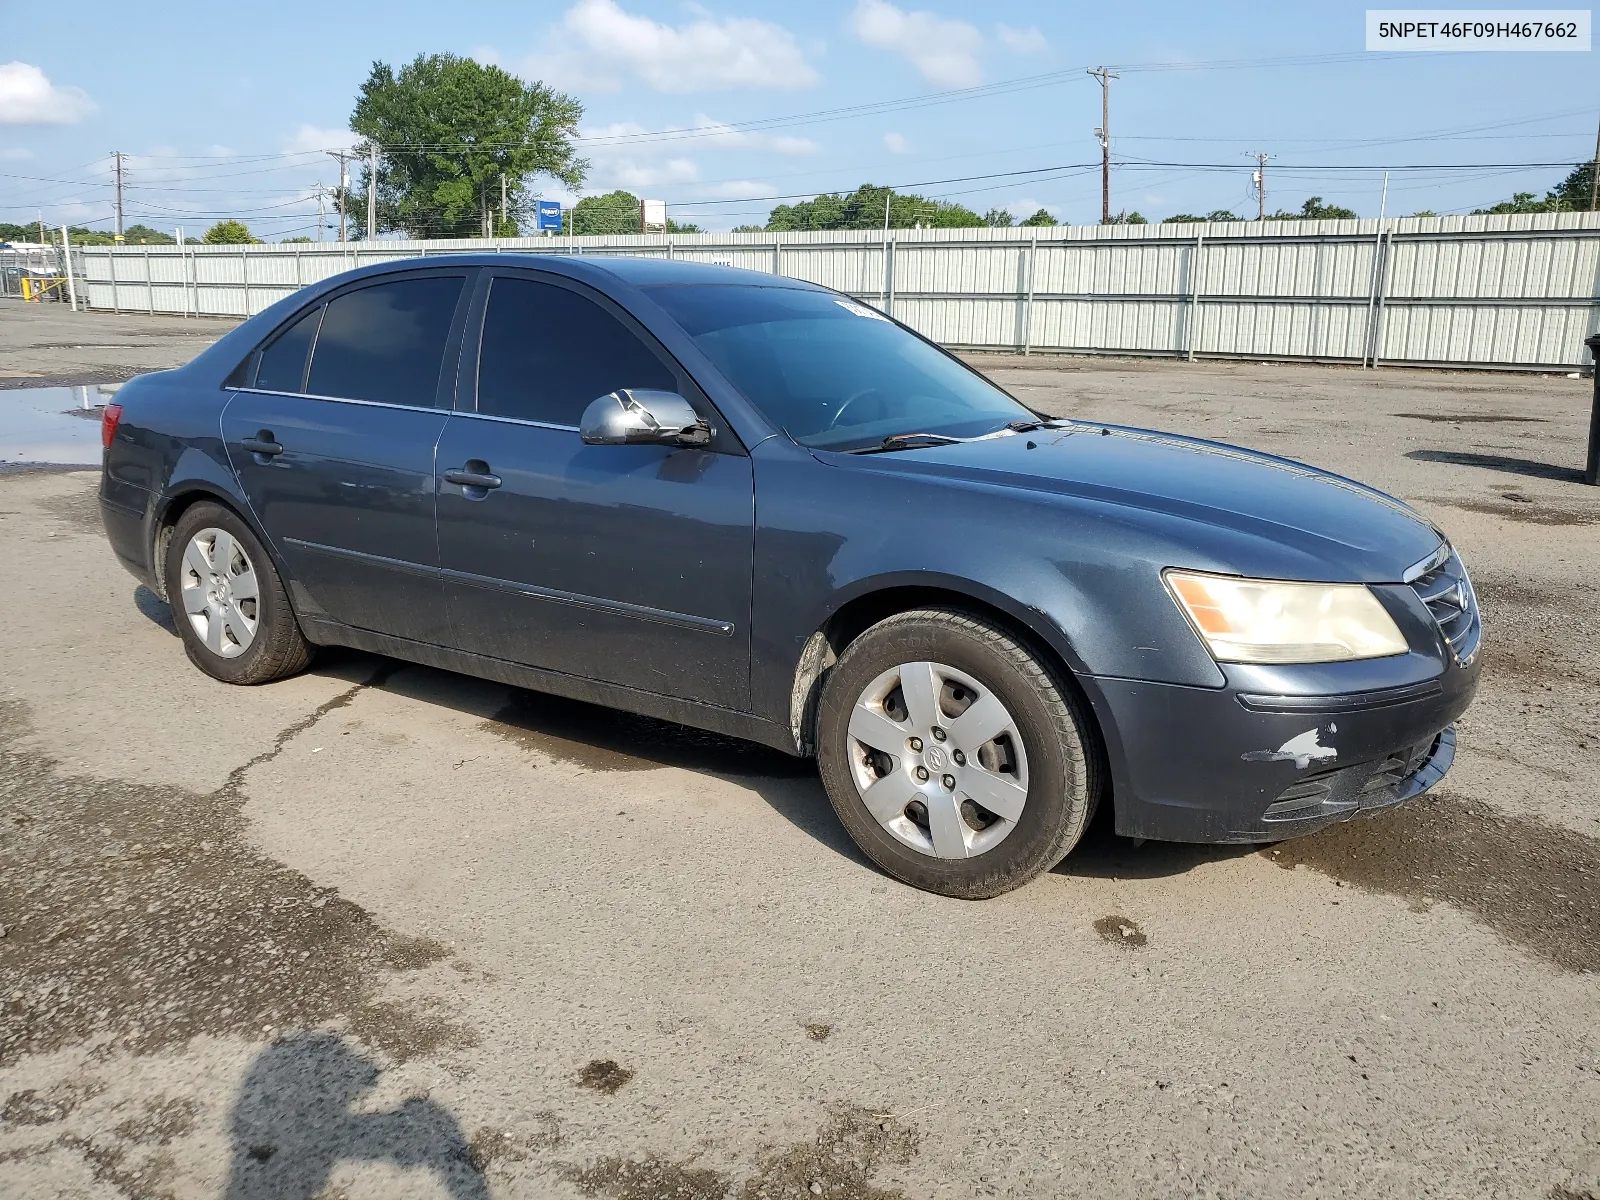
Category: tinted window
[833,373]
[386,342]
[548,352]
[283,363]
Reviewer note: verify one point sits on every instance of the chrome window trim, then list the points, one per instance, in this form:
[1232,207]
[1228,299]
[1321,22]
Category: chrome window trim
[427,408]
[478,416]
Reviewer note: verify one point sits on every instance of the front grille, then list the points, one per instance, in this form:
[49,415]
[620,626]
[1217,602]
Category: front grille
[1447,592]
[1346,790]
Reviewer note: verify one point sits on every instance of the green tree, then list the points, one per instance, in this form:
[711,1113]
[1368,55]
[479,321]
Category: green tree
[448,131]
[749,229]
[1314,210]
[614,212]
[1040,218]
[678,227]
[864,209]
[229,233]
[302,240]
[1216,214]
[143,235]
[999,218]
[1128,218]
[1522,202]
[1576,191]
[1426,212]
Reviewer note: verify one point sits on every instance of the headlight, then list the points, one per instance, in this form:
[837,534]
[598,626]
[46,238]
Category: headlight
[1264,621]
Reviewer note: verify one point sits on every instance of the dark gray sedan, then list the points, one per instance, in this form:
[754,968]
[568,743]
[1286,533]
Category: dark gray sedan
[757,506]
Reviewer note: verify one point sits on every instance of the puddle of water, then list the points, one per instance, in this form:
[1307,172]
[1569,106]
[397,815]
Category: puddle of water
[57,425]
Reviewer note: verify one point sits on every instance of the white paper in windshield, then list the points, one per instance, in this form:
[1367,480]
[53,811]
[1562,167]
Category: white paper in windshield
[860,310]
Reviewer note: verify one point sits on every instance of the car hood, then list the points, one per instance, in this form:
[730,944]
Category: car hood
[1333,526]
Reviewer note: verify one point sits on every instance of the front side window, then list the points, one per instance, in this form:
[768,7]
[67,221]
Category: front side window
[832,373]
[283,363]
[386,342]
[548,352]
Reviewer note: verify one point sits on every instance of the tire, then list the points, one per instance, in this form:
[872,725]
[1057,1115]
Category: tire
[214,564]
[881,690]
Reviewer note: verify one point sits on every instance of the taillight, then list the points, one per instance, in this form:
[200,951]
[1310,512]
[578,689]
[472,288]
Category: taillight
[108,424]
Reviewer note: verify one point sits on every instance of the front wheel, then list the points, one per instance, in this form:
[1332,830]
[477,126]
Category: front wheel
[952,756]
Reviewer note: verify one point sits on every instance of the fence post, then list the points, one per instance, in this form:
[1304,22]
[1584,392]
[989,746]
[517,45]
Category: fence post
[111,265]
[149,284]
[66,256]
[1383,295]
[1372,297]
[1027,303]
[1191,327]
[777,255]
[244,274]
[888,274]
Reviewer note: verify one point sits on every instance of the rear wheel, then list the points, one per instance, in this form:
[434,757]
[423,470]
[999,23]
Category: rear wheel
[228,602]
[953,757]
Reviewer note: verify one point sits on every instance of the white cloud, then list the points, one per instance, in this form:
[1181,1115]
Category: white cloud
[598,46]
[739,189]
[897,143]
[15,153]
[631,174]
[1021,41]
[309,138]
[27,97]
[945,51]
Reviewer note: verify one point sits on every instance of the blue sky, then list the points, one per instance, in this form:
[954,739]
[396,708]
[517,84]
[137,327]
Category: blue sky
[225,110]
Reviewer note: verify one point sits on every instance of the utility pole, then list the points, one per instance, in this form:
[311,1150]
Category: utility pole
[372,191]
[1260,181]
[344,182]
[320,216]
[1594,179]
[502,198]
[117,157]
[1104,134]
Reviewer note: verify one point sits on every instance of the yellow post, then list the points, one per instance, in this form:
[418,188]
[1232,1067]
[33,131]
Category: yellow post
[27,294]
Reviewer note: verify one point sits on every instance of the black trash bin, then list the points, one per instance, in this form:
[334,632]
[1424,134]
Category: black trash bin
[1591,473]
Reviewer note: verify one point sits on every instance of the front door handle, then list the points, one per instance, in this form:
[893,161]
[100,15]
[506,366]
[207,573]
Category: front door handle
[475,475]
[263,443]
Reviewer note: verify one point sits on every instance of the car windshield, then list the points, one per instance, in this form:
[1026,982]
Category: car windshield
[832,373]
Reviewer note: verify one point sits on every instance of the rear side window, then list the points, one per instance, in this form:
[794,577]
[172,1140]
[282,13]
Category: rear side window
[548,352]
[386,342]
[283,362]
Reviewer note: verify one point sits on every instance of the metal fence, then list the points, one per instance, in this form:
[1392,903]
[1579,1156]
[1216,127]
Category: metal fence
[39,265]
[1517,292]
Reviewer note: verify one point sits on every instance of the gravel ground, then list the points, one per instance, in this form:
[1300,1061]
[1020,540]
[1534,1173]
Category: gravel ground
[381,931]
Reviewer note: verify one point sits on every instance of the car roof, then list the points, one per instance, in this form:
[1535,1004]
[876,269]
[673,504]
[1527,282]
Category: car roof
[637,270]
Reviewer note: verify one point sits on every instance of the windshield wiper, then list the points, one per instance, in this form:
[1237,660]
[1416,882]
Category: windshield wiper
[908,441]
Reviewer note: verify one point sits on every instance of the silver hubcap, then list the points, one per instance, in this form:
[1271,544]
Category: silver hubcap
[219,592]
[938,760]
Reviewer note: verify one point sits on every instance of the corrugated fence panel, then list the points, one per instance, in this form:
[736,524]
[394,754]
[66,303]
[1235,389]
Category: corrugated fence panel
[1503,291]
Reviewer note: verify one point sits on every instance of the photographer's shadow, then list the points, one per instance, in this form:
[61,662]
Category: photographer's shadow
[293,1122]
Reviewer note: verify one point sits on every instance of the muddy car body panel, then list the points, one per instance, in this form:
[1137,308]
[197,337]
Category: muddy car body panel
[713,585]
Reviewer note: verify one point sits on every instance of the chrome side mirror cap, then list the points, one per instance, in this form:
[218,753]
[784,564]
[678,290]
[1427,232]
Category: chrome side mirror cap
[642,417]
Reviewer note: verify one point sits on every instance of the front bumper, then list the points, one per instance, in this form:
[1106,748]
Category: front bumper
[1243,764]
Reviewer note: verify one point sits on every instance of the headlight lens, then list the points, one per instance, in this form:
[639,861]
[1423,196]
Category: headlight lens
[1265,621]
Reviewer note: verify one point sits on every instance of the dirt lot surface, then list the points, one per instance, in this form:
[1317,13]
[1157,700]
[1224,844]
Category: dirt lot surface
[379,931]
[43,345]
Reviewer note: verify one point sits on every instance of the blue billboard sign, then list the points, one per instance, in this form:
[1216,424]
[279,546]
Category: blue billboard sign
[549,216]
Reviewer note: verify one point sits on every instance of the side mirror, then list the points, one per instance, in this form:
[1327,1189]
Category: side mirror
[642,417]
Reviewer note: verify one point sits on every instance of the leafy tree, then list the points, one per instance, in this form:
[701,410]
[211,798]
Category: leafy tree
[229,233]
[676,227]
[1040,218]
[1216,214]
[143,235]
[449,130]
[1315,210]
[749,229]
[998,218]
[1522,202]
[302,240]
[1576,190]
[1426,212]
[864,209]
[1128,218]
[614,212]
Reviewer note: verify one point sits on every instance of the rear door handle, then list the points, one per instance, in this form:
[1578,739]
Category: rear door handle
[468,477]
[263,443]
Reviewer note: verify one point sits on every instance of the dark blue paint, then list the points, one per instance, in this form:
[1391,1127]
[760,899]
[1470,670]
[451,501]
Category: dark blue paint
[686,583]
